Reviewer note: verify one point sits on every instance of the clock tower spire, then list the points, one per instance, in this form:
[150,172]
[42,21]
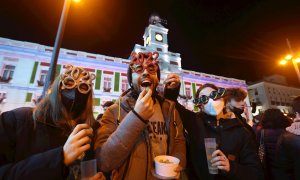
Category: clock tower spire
[156,40]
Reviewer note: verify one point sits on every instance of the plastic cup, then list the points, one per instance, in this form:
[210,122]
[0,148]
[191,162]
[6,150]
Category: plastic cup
[210,147]
[88,169]
[165,165]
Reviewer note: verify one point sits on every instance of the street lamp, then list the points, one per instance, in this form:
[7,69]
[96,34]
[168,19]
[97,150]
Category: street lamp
[291,57]
[294,60]
[57,45]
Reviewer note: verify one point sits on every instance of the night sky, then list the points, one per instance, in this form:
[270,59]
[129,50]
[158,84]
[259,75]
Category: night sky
[243,39]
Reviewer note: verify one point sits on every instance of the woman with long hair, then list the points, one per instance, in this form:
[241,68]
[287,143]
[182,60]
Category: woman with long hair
[273,124]
[48,141]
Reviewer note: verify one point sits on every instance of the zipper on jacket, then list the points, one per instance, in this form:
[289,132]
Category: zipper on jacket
[218,139]
[146,135]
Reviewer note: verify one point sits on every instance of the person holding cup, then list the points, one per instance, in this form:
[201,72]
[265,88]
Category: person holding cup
[231,150]
[49,141]
[140,126]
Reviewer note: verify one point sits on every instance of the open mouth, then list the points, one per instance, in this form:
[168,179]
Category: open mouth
[146,84]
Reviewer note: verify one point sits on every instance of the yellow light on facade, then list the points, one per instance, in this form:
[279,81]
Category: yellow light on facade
[288,57]
[77,1]
[283,62]
[297,60]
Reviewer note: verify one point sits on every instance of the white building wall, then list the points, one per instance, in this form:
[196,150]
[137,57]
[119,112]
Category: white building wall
[270,95]
[24,55]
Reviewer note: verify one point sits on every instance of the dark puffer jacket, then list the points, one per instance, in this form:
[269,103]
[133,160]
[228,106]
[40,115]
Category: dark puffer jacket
[31,149]
[233,140]
[288,157]
[28,152]
[270,140]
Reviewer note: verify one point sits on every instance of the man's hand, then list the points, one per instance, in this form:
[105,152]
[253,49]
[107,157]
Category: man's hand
[144,104]
[172,81]
[78,142]
[98,176]
[219,160]
[178,170]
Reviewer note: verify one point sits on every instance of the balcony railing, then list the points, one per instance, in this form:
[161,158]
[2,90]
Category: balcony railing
[40,83]
[2,99]
[36,100]
[105,89]
[5,80]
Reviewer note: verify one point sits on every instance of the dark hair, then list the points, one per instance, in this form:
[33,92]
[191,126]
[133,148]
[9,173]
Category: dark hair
[296,104]
[107,104]
[205,86]
[51,109]
[274,119]
[236,94]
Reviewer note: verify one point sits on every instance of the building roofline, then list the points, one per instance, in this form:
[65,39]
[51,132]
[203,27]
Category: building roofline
[267,82]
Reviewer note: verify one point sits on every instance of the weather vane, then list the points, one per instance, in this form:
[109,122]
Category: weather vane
[155,19]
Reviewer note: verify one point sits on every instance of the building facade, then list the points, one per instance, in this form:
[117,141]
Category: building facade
[271,95]
[24,66]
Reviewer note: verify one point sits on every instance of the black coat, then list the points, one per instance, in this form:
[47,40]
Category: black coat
[28,152]
[233,140]
[248,127]
[288,157]
[270,141]
[30,149]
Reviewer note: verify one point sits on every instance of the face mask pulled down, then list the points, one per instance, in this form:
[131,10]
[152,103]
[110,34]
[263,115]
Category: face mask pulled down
[238,110]
[214,108]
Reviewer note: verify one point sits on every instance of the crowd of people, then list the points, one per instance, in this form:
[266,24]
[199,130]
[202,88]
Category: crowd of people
[51,140]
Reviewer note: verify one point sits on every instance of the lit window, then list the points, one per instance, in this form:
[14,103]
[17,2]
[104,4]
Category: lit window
[8,72]
[124,84]
[107,83]
[43,76]
[188,92]
[2,97]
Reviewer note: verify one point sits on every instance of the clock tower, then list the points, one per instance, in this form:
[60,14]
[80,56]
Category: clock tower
[156,35]
[156,39]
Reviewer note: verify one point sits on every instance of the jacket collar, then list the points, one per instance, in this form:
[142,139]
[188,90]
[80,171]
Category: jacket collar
[224,123]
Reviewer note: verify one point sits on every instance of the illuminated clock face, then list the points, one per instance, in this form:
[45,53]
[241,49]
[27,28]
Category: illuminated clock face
[158,37]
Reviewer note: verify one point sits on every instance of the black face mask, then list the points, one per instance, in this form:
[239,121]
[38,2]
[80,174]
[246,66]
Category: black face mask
[238,110]
[74,101]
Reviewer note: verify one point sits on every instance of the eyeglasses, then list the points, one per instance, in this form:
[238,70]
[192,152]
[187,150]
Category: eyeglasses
[77,77]
[139,68]
[142,61]
[203,99]
[70,83]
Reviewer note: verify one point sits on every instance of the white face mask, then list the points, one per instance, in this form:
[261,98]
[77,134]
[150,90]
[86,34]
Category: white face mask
[214,108]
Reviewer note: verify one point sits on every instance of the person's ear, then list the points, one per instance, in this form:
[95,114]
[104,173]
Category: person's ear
[227,107]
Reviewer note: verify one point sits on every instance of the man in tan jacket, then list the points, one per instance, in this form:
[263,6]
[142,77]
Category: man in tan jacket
[140,126]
